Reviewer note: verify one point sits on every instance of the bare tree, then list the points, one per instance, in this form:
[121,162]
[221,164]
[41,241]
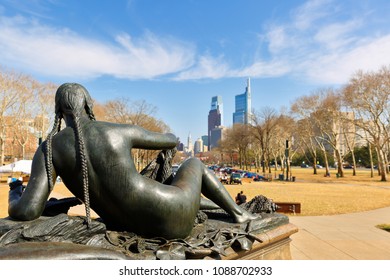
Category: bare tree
[43,111]
[286,141]
[263,128]
[227,145]
[323,109]
[302,109]
[367,94]
[11,87]
[349,136]
[21,113]
[237,139]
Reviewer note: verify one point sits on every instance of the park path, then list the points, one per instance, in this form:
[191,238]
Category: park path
[342,237]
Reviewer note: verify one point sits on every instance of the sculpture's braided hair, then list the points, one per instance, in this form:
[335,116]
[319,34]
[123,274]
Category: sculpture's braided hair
[72,99]
[49,150]
[84,167]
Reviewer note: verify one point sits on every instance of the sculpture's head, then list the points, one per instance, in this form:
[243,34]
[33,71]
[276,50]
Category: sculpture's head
[73,99]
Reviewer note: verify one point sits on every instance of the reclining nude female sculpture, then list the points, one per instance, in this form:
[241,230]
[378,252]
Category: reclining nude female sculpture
[94,160]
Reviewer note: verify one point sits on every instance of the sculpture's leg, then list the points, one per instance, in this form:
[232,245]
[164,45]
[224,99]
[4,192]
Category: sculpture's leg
[214,190]
[206,204]
[194,177]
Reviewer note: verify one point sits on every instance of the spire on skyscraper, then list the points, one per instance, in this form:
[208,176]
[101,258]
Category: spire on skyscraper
[248,86]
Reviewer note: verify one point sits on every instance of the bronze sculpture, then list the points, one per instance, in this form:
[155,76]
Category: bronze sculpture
[94,161]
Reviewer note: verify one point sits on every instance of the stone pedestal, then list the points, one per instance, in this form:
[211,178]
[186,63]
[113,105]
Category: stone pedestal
[67,237]
[275,245]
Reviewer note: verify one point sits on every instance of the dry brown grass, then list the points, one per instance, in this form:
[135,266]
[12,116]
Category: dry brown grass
[318,195]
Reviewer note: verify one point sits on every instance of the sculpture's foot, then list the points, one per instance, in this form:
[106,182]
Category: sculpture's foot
[245,217]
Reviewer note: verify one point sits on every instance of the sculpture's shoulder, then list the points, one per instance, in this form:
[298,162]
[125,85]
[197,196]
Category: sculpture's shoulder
[108,127]
[108,136]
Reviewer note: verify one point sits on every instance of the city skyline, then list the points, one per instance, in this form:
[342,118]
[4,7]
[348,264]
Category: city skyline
[177,55]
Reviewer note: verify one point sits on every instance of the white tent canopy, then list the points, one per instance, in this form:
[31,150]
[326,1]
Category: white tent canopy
[18,166]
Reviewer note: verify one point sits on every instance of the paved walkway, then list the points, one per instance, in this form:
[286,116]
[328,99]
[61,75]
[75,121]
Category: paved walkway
[342,237]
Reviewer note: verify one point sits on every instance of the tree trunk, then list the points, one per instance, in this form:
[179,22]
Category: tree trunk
[381,163]
[371,160]
[353,163]
[2,147]
[23,151]
[340,170]
[326,164]
[263,163]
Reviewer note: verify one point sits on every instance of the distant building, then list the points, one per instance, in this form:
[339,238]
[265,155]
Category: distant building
[180,147]
[216,136]
[215,117]
[190,146]
[205,139]
[243,106]
[198,147]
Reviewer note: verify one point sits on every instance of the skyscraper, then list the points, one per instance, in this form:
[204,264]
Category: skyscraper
[215,118]
[190,146]
[198,147]
[243,111]
[216,135]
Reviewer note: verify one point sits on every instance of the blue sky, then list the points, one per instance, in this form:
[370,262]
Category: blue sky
[177,54]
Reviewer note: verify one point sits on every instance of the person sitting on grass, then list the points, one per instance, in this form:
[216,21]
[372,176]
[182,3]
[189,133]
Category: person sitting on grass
[240,198]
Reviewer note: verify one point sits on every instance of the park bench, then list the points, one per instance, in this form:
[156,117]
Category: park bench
[3,178]
[289,207]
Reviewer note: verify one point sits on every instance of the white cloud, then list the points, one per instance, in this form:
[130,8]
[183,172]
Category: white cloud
[324,50]
[338,67]
[313,10]
[337,35]
[62,52]
[206,67]
[315,44]
[278,39]
[262,69]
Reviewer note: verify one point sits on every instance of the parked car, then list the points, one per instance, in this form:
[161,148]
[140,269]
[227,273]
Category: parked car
[235,178]
[304,165]
[250,175]
[319,166]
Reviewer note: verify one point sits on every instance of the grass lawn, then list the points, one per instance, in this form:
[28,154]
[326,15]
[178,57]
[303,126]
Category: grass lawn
[317,194]
[320,195]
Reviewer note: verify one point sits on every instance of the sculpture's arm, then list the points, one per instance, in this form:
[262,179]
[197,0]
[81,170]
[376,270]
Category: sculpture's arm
[30,204]
[145,139]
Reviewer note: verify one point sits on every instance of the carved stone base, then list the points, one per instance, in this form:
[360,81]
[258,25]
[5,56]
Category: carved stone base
[275,246]
[67,237]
